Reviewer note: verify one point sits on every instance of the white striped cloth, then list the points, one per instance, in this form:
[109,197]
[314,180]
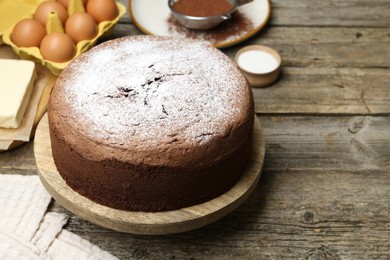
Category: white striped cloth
[28,231]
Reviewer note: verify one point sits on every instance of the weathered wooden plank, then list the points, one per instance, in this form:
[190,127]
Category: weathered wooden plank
[122,30]
[374,13]
[291,215]
[18,161]
[326,143]
[126,17]
[326,91]
[331,70]
[326,47]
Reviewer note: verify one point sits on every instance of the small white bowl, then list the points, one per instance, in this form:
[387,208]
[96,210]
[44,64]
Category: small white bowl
[265,77]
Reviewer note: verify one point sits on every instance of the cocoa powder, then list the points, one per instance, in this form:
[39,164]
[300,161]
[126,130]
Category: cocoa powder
[202,8]
[230,30]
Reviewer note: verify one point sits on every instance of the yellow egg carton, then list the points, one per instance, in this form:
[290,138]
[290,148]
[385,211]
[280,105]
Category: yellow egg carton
[34,54]
[12,11]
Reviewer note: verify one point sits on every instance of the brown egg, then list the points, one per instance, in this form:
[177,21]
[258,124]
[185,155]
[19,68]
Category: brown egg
[43,10]
[58,47]
[65,3]
[102,10]
[81,26]
[28,33]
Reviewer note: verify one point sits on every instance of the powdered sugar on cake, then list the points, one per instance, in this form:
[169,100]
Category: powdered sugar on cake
[142,89]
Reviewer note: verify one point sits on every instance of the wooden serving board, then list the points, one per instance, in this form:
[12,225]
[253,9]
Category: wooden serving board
[159,223]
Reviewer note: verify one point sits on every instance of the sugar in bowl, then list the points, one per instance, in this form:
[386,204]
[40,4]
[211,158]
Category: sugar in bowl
[260,64]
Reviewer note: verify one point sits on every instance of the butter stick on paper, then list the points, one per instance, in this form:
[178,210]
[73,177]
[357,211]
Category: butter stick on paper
[17,79]
[5,144]
[24,131]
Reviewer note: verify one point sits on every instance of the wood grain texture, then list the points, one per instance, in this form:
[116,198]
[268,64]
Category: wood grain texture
[326,71]
[324,192]
[326,91]
[326,47]
[291,215]
[327,143]
[317,13]
[19,160]
[320,197]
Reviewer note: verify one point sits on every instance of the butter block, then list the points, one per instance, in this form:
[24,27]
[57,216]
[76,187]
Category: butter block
[16,84]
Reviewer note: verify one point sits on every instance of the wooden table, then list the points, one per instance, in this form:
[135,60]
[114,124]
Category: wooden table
[325,188]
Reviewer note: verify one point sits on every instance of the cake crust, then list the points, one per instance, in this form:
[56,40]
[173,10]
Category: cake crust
[137,121]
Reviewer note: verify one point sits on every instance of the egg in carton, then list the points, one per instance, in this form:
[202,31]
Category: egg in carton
[57,56]
[11,11]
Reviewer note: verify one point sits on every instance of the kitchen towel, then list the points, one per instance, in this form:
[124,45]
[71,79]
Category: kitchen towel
[28,231]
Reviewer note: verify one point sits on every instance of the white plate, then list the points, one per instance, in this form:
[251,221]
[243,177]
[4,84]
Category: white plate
[154,17]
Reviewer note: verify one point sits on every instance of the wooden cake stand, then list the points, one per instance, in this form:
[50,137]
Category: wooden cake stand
[158,223]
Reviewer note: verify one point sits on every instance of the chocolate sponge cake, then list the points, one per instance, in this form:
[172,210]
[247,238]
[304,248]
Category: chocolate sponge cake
[147,123]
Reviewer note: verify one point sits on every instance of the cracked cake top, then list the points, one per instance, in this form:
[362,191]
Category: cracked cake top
[153,93]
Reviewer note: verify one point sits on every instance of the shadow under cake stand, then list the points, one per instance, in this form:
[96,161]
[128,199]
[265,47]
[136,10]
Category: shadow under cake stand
[151,223]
